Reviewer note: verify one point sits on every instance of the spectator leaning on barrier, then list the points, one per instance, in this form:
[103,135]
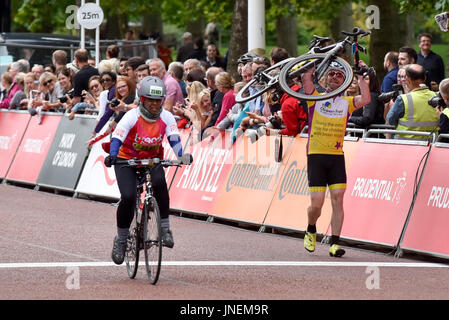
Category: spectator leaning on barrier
[108,79]
[391,65]
[81,78]
[411,111]
[443,112]
[431,62]
[91,98]
[20,95]
[11,88]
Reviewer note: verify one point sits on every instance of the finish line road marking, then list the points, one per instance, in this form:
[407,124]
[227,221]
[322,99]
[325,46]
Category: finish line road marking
[229,264]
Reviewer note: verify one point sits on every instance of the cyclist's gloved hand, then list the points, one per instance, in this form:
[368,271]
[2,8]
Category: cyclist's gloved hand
[110,160]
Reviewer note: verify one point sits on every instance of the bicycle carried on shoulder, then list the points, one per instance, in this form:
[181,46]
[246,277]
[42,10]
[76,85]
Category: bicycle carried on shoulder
[319,57]
[146,232]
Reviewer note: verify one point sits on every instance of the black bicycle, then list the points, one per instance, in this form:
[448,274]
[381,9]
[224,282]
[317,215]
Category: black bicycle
[319,57]
[145,233]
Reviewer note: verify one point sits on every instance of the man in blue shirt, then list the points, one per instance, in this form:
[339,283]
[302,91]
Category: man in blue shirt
[391,65]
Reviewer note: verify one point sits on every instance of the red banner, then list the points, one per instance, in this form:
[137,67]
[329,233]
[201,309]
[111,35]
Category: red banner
[292,197]
[33,149]
[196,187]
[428,227]
[12,128]
[379,191]
[249,187]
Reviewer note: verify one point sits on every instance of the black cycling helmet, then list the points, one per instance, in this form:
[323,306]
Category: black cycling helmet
[151,87]
[247,57]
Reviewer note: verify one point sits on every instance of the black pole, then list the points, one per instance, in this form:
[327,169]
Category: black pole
[5,16]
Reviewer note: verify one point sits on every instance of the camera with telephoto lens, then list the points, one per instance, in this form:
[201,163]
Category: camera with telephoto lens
[437,101]
[114,103]
[275,122]
[64,99]
[392,95]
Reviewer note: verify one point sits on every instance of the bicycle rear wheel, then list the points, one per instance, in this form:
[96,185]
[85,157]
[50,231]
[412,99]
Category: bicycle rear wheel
[152,239]
[296,67]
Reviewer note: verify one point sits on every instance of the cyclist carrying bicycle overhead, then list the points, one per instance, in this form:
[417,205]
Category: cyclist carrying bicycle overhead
[325,158]
[139,134]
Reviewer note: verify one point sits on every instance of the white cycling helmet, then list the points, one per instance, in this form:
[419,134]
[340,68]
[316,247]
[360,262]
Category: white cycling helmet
[152,88]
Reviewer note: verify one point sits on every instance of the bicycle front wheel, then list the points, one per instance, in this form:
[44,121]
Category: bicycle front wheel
[261,83]
[296,67]
[132,253]
[152,239]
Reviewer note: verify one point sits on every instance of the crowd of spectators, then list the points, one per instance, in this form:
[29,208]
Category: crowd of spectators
[201,93]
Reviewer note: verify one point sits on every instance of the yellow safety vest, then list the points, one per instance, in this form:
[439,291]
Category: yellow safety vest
[446,112]
[418,115]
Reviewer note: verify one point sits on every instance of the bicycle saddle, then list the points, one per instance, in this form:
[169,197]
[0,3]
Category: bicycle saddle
[357,32]
[317,41]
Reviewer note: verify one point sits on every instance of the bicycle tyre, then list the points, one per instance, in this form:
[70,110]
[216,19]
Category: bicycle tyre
[132,254]
[241,98]
[284,75]
[132,247]
[152,239]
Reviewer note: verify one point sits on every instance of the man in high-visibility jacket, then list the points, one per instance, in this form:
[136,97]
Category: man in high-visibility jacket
[411,111]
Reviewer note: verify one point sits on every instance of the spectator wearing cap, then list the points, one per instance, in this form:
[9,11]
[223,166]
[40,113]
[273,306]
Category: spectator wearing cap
[173,90]
[186,49]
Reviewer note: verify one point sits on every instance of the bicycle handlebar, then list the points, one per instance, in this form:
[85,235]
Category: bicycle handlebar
[357,32]
[148,162]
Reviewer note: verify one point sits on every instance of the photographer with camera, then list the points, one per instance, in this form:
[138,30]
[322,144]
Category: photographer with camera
[440,104]
[91,97]
[411,111]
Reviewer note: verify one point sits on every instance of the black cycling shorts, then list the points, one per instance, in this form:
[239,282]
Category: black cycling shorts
[326,170]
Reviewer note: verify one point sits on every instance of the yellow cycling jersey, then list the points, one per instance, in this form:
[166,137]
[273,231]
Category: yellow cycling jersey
[327,124]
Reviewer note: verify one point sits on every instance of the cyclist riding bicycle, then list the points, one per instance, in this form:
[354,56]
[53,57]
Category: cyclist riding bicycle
[139,134]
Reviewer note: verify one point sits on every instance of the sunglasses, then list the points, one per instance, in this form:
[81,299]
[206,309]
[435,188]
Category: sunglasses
[105,80]
[336,74]
[95,86]
[47,82]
